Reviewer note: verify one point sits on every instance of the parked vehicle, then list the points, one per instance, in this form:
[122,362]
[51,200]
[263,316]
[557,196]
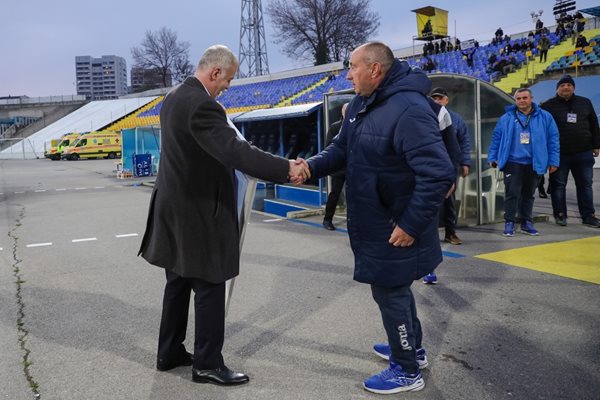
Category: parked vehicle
[105,144]
[58,146]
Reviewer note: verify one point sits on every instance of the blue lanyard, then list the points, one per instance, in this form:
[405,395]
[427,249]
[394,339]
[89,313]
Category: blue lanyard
[526,122]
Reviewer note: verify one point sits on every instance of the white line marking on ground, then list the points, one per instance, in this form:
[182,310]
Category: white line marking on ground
[40,190]
[98,187]
[0,248]
[39,244]
[80,188]
[1,194]
[19,192]
[126,235]
[273,220]
[58,190]
[83,240]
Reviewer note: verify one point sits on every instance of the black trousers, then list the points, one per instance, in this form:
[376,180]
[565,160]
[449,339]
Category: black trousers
[449,215]
[337,183]
[209,310]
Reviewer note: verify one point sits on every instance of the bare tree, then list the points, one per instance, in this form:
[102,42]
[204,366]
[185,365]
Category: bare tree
[162,52]
[322,30]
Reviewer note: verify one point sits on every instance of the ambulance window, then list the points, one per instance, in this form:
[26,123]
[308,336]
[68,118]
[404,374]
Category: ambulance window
[81,142]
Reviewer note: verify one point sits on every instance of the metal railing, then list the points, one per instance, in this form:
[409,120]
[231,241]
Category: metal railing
[18,149]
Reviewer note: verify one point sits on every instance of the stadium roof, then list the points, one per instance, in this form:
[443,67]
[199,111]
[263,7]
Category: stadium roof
[301,110]
[91,117]
[595,11]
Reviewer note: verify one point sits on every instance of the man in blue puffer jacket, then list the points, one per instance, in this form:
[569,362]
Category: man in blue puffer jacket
[397,174]
[524,144]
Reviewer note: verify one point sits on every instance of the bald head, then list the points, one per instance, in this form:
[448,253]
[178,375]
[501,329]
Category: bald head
[369,65]
[377,52]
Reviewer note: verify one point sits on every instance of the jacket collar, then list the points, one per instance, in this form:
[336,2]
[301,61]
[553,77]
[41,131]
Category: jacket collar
[195,82]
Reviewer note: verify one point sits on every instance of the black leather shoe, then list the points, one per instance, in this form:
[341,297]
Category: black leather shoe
[183,360]
[543,194]
[328,225]
[219,376]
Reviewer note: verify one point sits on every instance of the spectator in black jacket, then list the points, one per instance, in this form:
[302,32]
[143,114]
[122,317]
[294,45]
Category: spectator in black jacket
[499,33]
[440,96]
[579,144]
[581,41]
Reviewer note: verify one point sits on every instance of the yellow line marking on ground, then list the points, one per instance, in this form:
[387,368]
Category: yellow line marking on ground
[575,259]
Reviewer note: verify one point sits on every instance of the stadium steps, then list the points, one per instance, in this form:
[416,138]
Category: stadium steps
[291,199]
[133,120]
[528,74]
[289,100]
[232,110]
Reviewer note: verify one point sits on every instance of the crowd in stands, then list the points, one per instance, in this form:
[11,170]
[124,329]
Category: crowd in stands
[441,46]
[490,62]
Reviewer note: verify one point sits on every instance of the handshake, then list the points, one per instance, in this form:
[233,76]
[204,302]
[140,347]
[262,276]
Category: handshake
[299,171]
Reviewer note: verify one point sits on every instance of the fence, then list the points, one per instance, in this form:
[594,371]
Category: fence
[18,149]
[42,100]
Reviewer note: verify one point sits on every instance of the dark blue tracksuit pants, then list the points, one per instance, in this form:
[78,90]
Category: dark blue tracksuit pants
[403,328]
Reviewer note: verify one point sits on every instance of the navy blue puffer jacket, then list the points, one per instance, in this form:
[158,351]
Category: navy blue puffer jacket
[398,172]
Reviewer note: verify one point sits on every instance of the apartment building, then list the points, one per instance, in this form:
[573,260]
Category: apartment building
[101,78]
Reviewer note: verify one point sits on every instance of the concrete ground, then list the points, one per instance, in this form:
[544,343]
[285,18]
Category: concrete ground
[79,312]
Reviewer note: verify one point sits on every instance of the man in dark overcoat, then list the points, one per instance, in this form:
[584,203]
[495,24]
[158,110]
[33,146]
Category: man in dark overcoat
[397,174]
[193,229]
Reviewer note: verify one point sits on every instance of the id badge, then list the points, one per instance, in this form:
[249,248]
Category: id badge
[572,118]
[524,138]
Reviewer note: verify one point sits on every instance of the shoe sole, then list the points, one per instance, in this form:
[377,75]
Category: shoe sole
[591,226]
[508,234]
[422,363]
[530,234]
[415,387]
[207,380]
[429,282]
[451,242]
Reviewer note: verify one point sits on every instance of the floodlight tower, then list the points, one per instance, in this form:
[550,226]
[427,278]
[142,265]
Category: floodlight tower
[253,45]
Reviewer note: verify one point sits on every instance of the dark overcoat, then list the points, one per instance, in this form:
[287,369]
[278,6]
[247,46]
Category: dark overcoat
[192,226]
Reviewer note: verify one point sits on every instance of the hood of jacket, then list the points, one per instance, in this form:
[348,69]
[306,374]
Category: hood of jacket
[400,77]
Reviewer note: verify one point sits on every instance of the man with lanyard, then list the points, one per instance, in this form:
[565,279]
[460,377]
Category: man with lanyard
[524,145]
[579,144]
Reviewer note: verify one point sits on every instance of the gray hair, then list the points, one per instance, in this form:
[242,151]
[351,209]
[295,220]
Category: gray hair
[217,56]
[378,52]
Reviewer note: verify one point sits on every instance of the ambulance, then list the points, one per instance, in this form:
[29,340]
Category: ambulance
[103,144]
[57,149]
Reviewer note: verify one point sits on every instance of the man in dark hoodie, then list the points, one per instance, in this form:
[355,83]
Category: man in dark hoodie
[579,144]
[397,175]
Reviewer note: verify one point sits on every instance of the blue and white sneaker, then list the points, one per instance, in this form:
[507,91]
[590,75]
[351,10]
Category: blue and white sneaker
[509,229]
[430,279]
[394,380]
[383,351]
[528,229]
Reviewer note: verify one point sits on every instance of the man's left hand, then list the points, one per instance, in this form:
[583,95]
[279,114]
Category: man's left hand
[399,238]
[596,152]
[552,169]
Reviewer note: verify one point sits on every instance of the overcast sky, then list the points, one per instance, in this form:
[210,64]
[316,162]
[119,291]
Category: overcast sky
[39,39]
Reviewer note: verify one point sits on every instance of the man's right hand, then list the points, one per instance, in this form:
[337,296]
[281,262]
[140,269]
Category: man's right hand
[493,164]
[299,171]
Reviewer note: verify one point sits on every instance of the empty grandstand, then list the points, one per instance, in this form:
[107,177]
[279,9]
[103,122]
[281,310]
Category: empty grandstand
[94,116]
